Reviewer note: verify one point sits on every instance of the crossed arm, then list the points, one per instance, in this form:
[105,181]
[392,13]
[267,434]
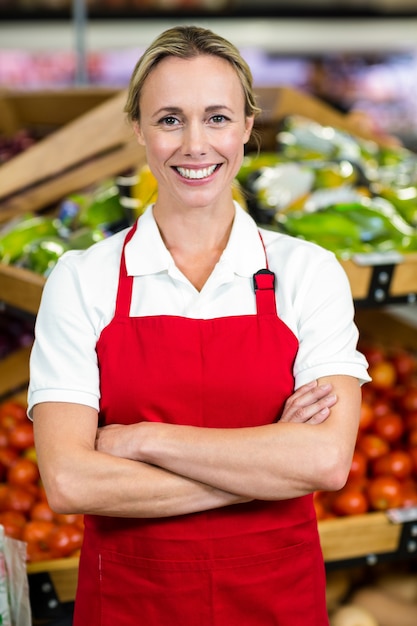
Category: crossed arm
[157,470]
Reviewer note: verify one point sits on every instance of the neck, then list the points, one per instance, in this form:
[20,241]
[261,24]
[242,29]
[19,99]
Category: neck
[196,242]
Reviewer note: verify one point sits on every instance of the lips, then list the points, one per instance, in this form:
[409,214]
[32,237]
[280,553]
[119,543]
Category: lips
[196,174]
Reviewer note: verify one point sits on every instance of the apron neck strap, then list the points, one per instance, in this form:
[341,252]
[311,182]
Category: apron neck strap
[264,286]
[124,291]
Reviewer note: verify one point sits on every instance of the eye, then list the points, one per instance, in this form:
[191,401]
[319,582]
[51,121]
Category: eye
[219,118]
[169,120]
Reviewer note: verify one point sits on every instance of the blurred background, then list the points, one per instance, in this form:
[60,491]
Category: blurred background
[354,54]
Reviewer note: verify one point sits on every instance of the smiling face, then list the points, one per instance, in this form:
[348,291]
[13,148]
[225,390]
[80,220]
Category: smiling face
[193,125]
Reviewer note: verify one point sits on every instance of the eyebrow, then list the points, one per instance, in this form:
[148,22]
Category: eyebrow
[176,110]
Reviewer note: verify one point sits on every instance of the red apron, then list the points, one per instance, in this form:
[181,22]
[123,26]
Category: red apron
[258,563]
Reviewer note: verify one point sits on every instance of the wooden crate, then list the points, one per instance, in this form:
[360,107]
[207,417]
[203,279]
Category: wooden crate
[49,109]
[358,536]
[279,102]
[369,281]
[98,144]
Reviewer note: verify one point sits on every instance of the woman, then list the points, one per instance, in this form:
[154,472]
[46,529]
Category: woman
[184,339]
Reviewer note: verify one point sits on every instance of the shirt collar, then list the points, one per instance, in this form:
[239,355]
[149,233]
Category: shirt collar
[244,254]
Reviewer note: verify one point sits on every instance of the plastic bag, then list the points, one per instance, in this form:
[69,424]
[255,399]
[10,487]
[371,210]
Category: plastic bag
[14,586]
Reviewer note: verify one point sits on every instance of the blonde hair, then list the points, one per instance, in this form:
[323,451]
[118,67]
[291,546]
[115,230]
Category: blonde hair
[186,42]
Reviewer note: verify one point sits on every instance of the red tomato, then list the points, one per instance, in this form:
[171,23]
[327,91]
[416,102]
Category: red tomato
[412,451]
[35,552]
[359,465]
[405,363]
[368,394]
[366,416]
[65,539]
[384,492]
[412,438]
[21,436]
[349,501]
[373,353]
[19,499]
[42,511]
[69,518]
[321,511]
[38,530]
[410,420]
[42,493]
[397,463]
[8,456]
[383,374]
[22,472]
[389,427]
[381,406]
[4,437]
[372,446]
[409,495]
[409,398]
[13,523]
[11,408]
[4,490]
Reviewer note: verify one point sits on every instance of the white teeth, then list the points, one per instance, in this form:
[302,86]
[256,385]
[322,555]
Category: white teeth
[196,174]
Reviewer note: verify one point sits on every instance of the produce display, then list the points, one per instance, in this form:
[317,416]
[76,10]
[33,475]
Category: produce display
[347,194]
[322,184]
[383,473]
[36,241]
[24,511]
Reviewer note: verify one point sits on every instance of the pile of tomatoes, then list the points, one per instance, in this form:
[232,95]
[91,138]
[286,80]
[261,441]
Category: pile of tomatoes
[24,511]
[383,473]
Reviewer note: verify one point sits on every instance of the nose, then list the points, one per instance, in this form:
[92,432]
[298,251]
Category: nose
[195,139]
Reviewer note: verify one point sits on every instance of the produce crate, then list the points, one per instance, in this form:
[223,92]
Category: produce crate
[93,146]
[47,110]
[89,148]
[359,536]
[279,102]
[382,279]
[20,288]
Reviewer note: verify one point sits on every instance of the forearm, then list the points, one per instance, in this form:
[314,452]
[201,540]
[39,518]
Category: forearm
[118,487]
[80,479]
[277,461]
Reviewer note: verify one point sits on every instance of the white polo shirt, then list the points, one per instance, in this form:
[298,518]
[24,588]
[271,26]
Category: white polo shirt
[312,293]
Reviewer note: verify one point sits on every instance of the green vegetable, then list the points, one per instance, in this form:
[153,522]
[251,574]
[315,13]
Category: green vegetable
[41,255]
[24,232]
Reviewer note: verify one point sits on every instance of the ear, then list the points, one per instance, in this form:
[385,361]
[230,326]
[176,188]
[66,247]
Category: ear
[249,121]
[138,133]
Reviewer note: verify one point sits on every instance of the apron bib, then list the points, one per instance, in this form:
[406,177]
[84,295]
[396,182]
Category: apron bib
[258,563]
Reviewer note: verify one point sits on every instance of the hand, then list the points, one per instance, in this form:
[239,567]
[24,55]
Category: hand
[311,404]
[118,440]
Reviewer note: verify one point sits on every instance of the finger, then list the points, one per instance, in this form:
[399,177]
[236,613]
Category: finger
[304,409]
